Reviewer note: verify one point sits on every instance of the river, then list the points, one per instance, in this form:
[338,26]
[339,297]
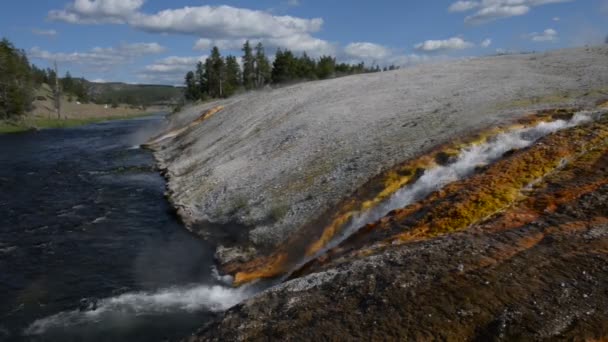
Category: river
[89,247]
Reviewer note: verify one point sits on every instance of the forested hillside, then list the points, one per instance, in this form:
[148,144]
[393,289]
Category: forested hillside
[221,77]
[21,82]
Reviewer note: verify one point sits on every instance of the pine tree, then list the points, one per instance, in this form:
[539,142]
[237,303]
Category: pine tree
[262,67]
[67,83]
[16,85]
[305,68]
[284,67]
[215,72]
[326,67]
[233,76]
[51,76]
[200,80]
[249,62]
[192,92]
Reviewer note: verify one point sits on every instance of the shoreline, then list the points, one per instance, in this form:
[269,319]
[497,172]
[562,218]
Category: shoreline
[37,123]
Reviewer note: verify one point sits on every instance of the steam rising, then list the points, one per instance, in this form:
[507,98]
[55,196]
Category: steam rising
[469,159]
[215,298]
[128,305]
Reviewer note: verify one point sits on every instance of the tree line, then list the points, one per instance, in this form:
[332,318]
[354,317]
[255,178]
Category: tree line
[221,77]
[19,79]
[16,82]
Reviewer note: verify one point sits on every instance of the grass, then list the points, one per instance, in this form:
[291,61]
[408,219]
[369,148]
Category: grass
[44,123]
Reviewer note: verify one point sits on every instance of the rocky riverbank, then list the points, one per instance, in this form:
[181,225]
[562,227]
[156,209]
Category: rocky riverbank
[311,181]
[519,250]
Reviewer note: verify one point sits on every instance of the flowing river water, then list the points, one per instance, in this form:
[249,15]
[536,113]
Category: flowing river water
[89,247]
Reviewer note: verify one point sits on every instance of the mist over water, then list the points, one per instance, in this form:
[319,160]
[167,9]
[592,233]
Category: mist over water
[168,297]
[90,250]
[465,164]
[129,306]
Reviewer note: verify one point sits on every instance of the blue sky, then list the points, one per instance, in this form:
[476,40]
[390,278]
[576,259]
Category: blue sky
[157,41]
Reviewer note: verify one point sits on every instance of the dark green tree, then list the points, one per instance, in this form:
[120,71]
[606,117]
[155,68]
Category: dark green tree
[284,67]
[200,78]
[326,67]
[249,63]
[306,68]
[233,76]
[81,90]
[263,70]
[215,71]
[67,83]
[51,76]
[39,76]
[192,92]
[16,84]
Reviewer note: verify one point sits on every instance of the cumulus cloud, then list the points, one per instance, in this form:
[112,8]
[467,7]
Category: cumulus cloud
[169,70]
[366,51]
[486,43]
[224,22]
[463,6]
[214,22]
[223,26]
[455,43]
[174,64]
[297,43]
[100,58]
[548,35]
[489,10]
[376,54]
[97,11]
[41,32]
[205,44]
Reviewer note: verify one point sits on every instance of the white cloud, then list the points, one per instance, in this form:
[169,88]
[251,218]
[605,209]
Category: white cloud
[366,51]
[224,22]
[486,43]
[224,26]
[41,32]
[556,19]
[463,6]
[454,43]
[215,22]
[100,58]
[315,47]
[169,70]
[548,35]
[205,44]
[297,43]
[174,64]
[496,12]
[97,11]
[489,10]
[293,3]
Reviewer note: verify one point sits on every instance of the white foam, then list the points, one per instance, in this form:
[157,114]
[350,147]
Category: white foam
[468,159]
[172,300]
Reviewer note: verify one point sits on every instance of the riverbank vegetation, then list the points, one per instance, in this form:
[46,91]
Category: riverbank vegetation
[222,77]
[32,97]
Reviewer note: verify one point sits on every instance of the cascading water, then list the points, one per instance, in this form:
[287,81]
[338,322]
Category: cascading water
[218,297]
[178,299]
[466,162]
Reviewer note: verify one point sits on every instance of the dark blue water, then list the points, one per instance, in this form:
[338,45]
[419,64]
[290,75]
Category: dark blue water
[82,218]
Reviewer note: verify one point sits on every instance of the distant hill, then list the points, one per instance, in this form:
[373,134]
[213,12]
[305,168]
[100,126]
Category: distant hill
[135,94]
